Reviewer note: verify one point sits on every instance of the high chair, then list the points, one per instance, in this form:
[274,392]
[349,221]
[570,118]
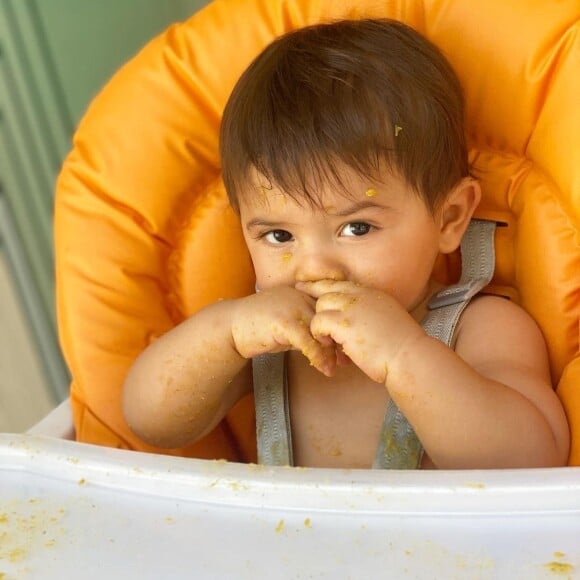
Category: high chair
[145,237]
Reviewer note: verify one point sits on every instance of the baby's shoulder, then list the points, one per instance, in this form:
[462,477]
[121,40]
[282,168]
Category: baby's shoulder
[498,325]
[490,309]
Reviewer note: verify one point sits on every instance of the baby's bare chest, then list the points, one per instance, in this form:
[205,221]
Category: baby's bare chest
[336,422]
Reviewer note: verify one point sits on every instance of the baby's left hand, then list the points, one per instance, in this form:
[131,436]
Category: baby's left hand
[370,325]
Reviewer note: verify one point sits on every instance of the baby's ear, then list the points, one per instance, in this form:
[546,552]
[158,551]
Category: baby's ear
[455,213]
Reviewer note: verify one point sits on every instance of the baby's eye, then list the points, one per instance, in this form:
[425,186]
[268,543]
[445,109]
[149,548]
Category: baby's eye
[356,229]
[278,237]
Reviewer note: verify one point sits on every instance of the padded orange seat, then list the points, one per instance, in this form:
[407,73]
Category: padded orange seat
[145,237]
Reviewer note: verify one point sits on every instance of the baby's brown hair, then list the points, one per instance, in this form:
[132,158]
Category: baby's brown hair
[367,94]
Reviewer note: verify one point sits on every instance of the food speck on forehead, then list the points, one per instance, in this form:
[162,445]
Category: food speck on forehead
[371,192]
[278,199]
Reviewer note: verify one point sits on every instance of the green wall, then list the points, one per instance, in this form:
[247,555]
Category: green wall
[55,55]
[91,39]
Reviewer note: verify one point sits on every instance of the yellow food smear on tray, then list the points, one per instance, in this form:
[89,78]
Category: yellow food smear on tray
[559,568]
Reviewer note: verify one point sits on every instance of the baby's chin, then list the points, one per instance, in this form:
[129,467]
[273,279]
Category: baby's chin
[419,308]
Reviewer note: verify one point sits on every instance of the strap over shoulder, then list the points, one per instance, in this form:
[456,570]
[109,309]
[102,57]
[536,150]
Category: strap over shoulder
[477,267]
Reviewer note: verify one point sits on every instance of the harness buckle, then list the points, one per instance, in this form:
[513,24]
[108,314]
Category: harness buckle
[457,293]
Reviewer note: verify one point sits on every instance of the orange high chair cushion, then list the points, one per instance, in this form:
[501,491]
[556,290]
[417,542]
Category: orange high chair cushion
[145,237]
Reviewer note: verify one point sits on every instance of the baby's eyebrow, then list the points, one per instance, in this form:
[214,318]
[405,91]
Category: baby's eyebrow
[260,222]
[357,206]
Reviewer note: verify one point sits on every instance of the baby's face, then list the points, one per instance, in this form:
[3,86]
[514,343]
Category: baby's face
[380,235]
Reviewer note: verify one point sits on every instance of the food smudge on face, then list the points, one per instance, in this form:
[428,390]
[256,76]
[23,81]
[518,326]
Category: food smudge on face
[371,192]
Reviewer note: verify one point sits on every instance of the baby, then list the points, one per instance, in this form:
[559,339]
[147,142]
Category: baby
[343,151]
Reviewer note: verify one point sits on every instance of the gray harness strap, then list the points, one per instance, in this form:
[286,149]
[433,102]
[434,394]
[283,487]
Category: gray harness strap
[399,447]
[272,410]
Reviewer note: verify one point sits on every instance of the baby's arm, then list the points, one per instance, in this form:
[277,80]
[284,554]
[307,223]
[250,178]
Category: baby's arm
[488,404]
[494,392]
[184,383]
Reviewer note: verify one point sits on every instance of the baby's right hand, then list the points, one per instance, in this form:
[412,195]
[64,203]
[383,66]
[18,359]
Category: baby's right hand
[278,320]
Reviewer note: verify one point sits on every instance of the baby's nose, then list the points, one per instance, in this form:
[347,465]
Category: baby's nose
[318,266]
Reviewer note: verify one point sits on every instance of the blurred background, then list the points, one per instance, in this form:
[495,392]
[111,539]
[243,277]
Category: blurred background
[55,55]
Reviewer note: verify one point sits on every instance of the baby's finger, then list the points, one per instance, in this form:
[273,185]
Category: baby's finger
[331,323]
[355,345]
[338,301]
[342,359]
[321,357]
[321,353]
[320,287]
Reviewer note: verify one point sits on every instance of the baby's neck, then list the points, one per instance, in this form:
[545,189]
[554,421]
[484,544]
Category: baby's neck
[420,311]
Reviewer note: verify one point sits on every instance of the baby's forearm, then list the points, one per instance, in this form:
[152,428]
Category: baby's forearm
[465,420]
[183,384]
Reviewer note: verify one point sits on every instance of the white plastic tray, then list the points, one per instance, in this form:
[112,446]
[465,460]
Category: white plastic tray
[70,510]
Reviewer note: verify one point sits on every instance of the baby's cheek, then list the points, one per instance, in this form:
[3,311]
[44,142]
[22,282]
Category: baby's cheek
[286,258]
[280,272]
